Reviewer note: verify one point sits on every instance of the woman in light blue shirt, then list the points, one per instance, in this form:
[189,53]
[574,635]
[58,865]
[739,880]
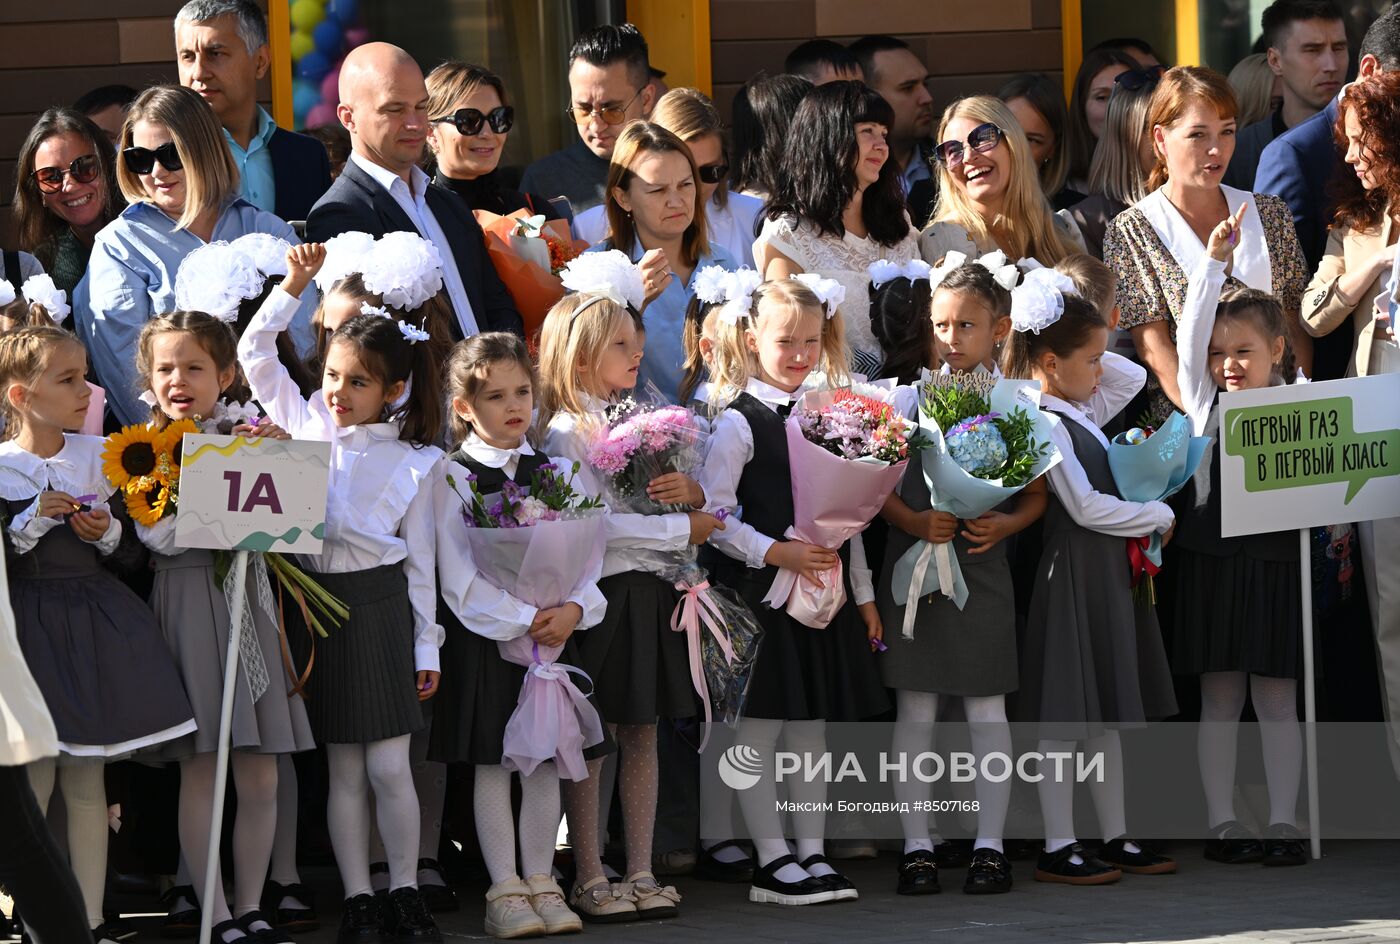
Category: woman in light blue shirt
[656,214]
[182,184]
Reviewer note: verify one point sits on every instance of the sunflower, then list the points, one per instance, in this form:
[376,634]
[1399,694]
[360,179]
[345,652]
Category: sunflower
[131,455]
[148,505]
[172,443]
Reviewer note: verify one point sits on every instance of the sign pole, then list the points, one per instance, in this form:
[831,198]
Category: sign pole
[216,827]
[1309,691]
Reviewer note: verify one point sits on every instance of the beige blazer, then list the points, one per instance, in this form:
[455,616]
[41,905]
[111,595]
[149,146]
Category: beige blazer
[1324,309]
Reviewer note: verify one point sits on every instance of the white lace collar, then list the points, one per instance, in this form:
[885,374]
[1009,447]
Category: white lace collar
[1250,264]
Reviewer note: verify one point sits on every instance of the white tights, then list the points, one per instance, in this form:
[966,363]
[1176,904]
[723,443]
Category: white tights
[255,779]
[354,769]
[914,733]
[85,797]
[1057,795]
[495,820]
[759,803]
[1276,705]
[430,786]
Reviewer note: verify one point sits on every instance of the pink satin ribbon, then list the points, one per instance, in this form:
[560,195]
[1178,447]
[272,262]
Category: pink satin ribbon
[694,608]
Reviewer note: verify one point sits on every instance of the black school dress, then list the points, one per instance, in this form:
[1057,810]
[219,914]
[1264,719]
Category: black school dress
[801,673]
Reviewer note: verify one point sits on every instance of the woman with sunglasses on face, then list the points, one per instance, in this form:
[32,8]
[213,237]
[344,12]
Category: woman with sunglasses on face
[1122,161]
[467,135]
[1153,246]
[1088,107]
[179,178]
[65,191]
[838,205]
[989,196]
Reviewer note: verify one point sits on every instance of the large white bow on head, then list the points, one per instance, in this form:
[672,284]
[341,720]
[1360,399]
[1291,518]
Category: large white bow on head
[1004,273]
[41,290]
[1039,301]
[831,292]
[883,271]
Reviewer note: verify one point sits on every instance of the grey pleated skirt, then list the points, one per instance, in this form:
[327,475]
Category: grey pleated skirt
[189,604]
[361,687]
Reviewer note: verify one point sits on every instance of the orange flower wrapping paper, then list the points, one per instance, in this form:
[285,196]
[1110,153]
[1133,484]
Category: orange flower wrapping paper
[534,288]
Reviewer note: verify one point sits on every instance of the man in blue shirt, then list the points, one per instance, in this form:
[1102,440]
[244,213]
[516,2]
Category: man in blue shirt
[221,51]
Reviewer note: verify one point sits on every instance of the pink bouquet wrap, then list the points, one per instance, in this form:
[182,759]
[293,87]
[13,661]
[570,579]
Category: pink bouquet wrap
[833,499]
[544,565]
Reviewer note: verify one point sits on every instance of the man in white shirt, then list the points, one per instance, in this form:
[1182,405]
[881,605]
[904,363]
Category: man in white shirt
[383,104]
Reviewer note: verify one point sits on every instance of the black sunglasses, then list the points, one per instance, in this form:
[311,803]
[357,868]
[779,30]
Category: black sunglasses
[83,170]
[982,139]
[141,160]
[712,173]
[1134,79]
[468,121]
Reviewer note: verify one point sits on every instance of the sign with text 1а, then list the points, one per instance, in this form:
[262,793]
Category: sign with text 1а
[1309,454]
[253,494]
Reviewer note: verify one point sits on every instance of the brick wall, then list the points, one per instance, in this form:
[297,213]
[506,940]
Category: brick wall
[968,48]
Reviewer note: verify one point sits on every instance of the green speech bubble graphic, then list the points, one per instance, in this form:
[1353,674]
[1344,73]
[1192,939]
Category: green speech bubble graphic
[1292,445]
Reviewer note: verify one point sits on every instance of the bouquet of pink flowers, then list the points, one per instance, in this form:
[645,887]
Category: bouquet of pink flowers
[847,451]
[541,544]
[641,443]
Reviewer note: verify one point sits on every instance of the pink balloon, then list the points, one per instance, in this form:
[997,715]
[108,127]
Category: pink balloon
[321,115]
[356,36]
[330,86]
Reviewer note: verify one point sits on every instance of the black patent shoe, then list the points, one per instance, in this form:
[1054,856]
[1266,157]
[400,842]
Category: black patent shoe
[1234,845]
[217,932]
[766,888]
[844,888]
[404,918]
[1283,845]
[359,922]
[918,874]
[1058,866]
[439,898]
[953,853]
[713,870]
[989,873]
[1142,862]
[185,922]
[267,935]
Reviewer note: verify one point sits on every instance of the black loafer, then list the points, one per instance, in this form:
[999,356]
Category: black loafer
[767,889]
[296,920]
[1283,845]
[713,870]
[1142,862]
[359,921]
[1234,845]
[267,935]
[216,933]
[380,868]
[843,887]
[404,919]
[953,853]
[1058,867]
[918,874]
[439,898]
[989,873]
[185,922]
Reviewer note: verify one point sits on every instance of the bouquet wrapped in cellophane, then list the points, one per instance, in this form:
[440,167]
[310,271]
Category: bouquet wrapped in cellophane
[528,253]
[640,443]
[541,543]
[988,440]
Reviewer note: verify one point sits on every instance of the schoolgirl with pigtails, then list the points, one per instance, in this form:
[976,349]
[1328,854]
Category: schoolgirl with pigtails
[371,675]
[1082,610]
[715,288]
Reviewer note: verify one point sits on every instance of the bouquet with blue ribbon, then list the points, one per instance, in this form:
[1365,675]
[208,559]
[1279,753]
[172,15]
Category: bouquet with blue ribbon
[989,441]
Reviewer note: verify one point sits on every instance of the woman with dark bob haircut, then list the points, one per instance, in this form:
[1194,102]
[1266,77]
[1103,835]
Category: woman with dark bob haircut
[838,205]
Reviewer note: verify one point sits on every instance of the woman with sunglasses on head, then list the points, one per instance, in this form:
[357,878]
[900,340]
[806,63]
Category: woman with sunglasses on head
[989,196]
[729,217]
[1153,246]
[838,205]
[1088,106]
[656,214]
[65,192]
[470,122]
[179,178]
[1122,161]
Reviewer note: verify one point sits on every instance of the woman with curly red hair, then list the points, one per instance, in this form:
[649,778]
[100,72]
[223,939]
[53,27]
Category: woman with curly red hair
[1360,255]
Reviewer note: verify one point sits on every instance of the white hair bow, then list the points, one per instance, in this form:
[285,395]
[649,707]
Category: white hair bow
[610,274]
[40,290]
[1003,272]
[7,292]
[411,333]
[404,269]
[367,309]
[345,256]
[738,295]
[831,292]
[215,279]
[883,271]
[1039,301]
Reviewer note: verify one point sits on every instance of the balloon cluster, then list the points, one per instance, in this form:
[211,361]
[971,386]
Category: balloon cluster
[323,31]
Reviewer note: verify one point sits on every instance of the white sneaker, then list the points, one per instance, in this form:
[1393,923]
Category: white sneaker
[547,898]
[509,913]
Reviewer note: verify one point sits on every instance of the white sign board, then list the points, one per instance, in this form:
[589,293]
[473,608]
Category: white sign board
[253,494]
[1307,455]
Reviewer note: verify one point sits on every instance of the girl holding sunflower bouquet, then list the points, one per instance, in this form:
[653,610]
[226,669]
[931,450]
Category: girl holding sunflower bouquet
[188,363]
[92,646]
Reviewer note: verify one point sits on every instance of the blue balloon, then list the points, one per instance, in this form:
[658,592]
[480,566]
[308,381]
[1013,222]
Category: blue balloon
[329,38]
[344,10]
[305,94]
[314,66]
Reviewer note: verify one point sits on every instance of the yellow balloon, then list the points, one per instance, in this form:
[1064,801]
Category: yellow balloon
[307,13]
[300,44]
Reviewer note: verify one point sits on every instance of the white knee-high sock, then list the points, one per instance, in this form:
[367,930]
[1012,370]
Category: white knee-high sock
[1056,798]
[1276,705]
[1217,742]
[539,819]
[914,734]
[1108,794]
[347,815]
[495,820]
[196,808]
[85,797]
[759,803]
[396,807]
[255,779]
[990,733]
[283,868]
[809,825]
